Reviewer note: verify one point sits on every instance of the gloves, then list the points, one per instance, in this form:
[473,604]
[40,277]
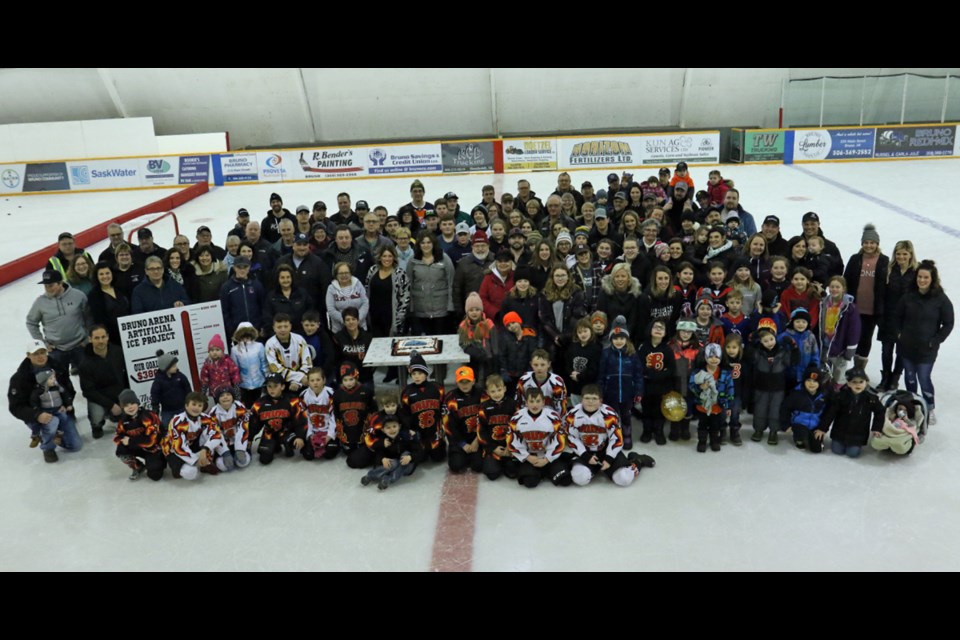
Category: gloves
[319,443]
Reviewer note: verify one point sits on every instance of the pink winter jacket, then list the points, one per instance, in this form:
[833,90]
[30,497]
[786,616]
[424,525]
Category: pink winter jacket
[217,374]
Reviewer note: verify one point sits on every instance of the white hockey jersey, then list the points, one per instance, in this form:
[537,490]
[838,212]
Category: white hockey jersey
[293,361]
[554,391]
[319,412]
[233,425]
[187,435]
[594,432]
[541,435]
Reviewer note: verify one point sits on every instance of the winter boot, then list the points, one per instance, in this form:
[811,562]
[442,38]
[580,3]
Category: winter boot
[674,431]
[757,434]
[97,430]
[715,440]
[894,382]
[773,438]
[641,460]
[701,441]
[735,436]
[723,435]
[860,363]
[685,431]
[34,441]
[932,418]
[658,434]
[50,456]
[647,434]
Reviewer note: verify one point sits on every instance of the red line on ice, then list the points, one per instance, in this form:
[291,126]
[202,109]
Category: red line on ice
[453,540]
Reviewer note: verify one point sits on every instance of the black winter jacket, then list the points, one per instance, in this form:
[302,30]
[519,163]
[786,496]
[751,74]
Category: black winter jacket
[852,275]
[23,382]
[102,379]
[853,417]
[923,321]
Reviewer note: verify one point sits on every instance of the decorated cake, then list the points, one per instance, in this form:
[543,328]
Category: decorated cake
[424,346]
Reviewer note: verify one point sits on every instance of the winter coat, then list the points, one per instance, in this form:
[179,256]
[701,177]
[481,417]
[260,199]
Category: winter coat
[264,255]
[127,281]
[294,305]
[168,393]
[830,249]
[65,319]
[270,226]
[573,310]
[771,368]
[107,310]
[23,383]
[820,266]
[103,378]
[923,321]
[847,335]
[482,351]
[585,360]
[747,222]
[217,374]
[717,191]
[725,254]
[148,297]
[313,275]
[852,275]
[620,376]
[800,409]
[792,300]
[591,293]
[251,359]
[663,308]
[515,354]
[58,262]
[685,356]
[808,351]
[206,284]
[623,303]
[760,269]
[853,417]
[356,256]
[659,367]
[340,298]
[527,307]
[241,301]
[897,286]
[724,392]
[493,290]
[400,296]
[468,277]
[431,287]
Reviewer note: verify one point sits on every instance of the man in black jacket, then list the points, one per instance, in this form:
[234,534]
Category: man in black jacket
[270,227]
[776,244]
[263,251]
[564,186]
[103,375]
[310,271]
[811,227]
[346,249]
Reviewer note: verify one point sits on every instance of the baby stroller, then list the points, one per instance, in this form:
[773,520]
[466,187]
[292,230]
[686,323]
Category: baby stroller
[902,433]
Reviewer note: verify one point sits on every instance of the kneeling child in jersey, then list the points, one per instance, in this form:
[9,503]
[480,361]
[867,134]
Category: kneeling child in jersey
[193,442]
[138,438]
[536,441]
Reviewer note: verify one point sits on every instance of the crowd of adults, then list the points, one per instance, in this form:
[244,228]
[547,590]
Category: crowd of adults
[640,248]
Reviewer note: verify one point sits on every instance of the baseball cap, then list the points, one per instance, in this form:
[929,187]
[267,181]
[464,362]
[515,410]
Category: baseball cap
[241,261]
[681,186]
[463,227]
[144,233]
[774,220]
[204,229]
[600,213]
[612,176]
[480,237]
[66,235]
[50,276]
[302,207]
[319,204]
[586,183]
[243,213]
[465,373]
[516,231]
[450,196]
[276,378]
[620,195]
[301,238]
[35,345]
[362,204]
[810,215]
[649,196]
[681,166]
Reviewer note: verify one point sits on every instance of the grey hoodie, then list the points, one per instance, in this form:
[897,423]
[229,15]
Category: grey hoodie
[65,319]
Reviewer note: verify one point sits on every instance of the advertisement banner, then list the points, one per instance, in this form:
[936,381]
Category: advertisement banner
[598,151]
[833,144]
[459,157]
[324,164]
[530,155]
[11,178]
[160,172]
[763,146]
[671,148]
[46,176]
[194,169]
[238,167]
[412,158]
[104,174]
[916,142]
[272,167]
[183,332]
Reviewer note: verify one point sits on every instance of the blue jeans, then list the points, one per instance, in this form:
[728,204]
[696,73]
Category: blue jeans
[841,449]
[64,422]
[912,372]
[391,475]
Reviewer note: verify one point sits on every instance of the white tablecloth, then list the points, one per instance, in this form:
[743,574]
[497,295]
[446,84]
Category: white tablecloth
[378,354]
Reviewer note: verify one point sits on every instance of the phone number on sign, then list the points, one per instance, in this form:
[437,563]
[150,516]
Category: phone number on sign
[848,153]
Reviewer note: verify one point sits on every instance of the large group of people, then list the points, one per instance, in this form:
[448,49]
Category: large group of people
[579,312]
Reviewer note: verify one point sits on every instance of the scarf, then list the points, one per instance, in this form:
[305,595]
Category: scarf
[711,253]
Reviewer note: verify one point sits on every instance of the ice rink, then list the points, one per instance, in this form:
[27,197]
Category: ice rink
[755,508]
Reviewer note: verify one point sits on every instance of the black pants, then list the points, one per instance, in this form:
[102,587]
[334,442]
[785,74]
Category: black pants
[153,460]
[558,472]
[434,447]
[805,435]
[887,361]
[867,325]
[711,425]
[458,460]
[249,396]
[652,415]
[493,467]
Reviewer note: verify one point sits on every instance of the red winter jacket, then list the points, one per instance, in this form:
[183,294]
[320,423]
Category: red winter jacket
[792,300]
[219,374]
[717,193]
[492,292]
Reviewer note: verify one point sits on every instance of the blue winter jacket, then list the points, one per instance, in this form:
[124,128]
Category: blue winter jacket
[809,352]
[621,376]
[724,388]
[147,297]
[803,410]
[251,359]
[242,302]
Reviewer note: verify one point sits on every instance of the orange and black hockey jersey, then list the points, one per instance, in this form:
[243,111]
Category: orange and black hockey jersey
[461,420]
[351,407]
[233,424]
[278,416]
[422,407]
[143,430]
[554,390]
[539,435]
[594,433]
[375,424]
[495,422]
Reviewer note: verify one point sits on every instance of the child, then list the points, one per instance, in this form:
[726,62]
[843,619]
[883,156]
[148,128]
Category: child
[389,406]
[193,441]
[218,371]
[712,388]
[395,451]
[770,362]
[553,387]
[595,442]
[809,350]
[353,404]
[688,228]
[496,408]
[839,327]
[735,234]
[516,348]
[599,322]
[703,199]
[282,419]
[169,390]
[681,175]
[138,436]
[461,423]
[801,294]
[251,359]
[717,187]
[743,283]
[709,328]
[232,418]
[321,349]
[478,336]
[734,322]
[853,412]
[582,360]
[687,289]
[779,267]
[421,405]
[733,348]
[769,309]
[351,344]
[803,408]
[659,378]
[288,354]
[817,262]
[901,426]
[717,289]
[536,441]
[621,377]
[55,399]
[317,401]
[685,347]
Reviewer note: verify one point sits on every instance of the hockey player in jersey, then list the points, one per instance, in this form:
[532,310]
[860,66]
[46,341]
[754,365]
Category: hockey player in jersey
[553,387]
[231,417]
[193,440]
[659,378]
[395,453]
[288,354]
[282,419]
[536,440]
[461,423]
[421,405]
[352,405]
[595,442]
[496,408]
[138,438]
[317,401]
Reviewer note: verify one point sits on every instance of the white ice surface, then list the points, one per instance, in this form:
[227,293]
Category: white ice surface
[751,508]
